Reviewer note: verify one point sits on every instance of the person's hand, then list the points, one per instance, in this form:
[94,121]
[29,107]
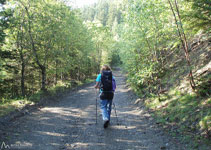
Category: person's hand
[97,85]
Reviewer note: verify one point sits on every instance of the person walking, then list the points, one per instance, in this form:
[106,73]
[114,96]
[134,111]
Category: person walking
[106,83]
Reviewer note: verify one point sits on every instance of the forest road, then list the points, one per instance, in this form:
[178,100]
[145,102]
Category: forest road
[70,125]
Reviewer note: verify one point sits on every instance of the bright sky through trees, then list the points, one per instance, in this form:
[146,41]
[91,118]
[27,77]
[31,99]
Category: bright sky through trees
[81,3]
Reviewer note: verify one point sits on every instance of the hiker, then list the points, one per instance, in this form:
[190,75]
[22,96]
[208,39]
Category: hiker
[106,83]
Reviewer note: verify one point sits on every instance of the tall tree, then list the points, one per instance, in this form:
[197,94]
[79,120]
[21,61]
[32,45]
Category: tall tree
[183,39]
[49,44]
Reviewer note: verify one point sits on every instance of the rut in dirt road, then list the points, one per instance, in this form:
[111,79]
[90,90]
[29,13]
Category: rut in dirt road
[70,124]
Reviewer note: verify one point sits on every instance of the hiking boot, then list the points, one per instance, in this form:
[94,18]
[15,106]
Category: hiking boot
[106,123]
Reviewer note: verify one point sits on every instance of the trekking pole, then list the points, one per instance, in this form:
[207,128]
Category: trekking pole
[116,114]
[96,105]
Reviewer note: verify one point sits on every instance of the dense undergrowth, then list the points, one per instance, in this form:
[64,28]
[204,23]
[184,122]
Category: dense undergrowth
[174,104]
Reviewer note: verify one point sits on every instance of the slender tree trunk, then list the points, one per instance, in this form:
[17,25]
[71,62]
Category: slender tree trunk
[178,30]
[56,77]
[186,48]
[43,71]
[20,48]
[22,75]
[99,56]
[184,42]
[79,76]
[42,67]
[156,38]
[61,76]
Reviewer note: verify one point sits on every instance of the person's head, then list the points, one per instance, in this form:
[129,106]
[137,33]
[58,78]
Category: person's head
[105,68]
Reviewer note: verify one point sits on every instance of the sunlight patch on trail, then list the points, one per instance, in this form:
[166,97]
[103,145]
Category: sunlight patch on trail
[51,133]
[83,91]
[64,111]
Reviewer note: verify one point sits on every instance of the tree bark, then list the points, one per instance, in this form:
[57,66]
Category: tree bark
[43,71]
[42,67]
[20,49]
[184,42]
[56,76]
[186,48]
[22,74]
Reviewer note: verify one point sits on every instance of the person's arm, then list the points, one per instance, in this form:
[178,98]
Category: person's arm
[97,85]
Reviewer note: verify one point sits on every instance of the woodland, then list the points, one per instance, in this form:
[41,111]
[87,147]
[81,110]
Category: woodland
[162,46]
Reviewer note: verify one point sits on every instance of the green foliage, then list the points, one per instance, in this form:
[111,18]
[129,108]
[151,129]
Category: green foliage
[108,12]
[205,124]
[5,15]
[51,44]
[4,20]
[10,105]
[204,86]
[188,113]
[36,97]
[143,39]
[103,18]
[199,14]
[147,38]
[148,46]
[47,42]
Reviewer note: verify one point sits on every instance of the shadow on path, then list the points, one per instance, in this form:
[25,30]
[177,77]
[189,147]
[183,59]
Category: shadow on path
[70,125]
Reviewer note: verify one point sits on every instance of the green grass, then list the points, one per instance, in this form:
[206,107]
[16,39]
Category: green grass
[10,105]
[190,113]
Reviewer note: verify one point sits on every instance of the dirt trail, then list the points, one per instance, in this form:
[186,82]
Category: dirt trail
[70,125]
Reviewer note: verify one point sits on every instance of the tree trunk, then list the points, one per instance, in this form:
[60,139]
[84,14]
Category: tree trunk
[184,42]
[22,75]
[42,67]
[186,49]
[43,71]
[56,76]
[99,57]
[20,48]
